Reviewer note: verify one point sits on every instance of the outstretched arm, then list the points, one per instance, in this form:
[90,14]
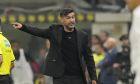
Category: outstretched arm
[45,33]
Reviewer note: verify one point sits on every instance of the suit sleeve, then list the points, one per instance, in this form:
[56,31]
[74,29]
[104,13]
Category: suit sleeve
[44,33]
[89,59]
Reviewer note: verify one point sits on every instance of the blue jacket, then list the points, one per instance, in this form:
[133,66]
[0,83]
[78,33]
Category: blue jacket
[107,73]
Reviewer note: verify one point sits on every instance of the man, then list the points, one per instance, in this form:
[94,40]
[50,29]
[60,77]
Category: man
[24,74]
[107,74]
[123,61]
[134,5]
[98,56]
[104,35]
[68,48]
[95,39]
[6,59]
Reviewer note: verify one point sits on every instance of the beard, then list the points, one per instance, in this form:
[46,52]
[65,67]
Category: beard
[71,26]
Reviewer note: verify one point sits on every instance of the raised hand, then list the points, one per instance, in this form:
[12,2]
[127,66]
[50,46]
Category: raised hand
[17,25]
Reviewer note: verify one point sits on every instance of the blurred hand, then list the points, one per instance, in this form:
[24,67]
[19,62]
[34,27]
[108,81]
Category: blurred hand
[17,25]
[40,76]
[94,82]
[97,66]
[116,65]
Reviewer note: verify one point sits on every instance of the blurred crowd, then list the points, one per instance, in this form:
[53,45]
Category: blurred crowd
[29,69]
[112,62]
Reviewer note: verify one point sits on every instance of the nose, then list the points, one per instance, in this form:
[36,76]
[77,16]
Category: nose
[72,20]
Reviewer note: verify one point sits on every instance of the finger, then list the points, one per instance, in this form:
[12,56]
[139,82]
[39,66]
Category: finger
[15,25]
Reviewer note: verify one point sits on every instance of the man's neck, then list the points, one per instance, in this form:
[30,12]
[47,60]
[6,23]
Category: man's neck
[68,29]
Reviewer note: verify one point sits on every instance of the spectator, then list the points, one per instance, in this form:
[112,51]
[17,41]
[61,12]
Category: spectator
[107,74]
[95,39]
[22,72]
[98,55]
[104,36]
[123,61]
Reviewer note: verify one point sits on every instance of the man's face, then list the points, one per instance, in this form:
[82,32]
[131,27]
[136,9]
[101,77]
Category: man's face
[125,42]
[103,36]
[132,4]
[108,44]
[69,20]
[98,49]
[94,40]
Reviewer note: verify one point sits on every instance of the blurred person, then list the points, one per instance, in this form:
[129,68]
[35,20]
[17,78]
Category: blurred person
[123,61]
[134,6]
[125,52]
[98,56]
[104,36]
[34,44]
[6,59]
[107,73]
[68,48]
[41,59]
[41,62]
[16,46]
[95,39]
[48,79]
[41,79]
[22,72]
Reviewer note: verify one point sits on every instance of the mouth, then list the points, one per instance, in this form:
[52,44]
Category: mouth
[71,25]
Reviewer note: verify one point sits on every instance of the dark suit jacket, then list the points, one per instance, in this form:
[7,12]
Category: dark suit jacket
[54,61]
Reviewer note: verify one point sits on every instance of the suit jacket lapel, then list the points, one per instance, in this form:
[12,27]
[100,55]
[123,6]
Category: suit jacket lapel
[79,39]
[79,43]
[59,35]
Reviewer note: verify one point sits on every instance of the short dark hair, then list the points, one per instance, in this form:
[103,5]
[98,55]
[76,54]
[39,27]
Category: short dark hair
[124,37]
[66,11]
[105,32]
[97,37]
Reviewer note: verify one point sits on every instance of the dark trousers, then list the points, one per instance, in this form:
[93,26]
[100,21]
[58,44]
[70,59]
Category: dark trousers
[68,80]
[5,79]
